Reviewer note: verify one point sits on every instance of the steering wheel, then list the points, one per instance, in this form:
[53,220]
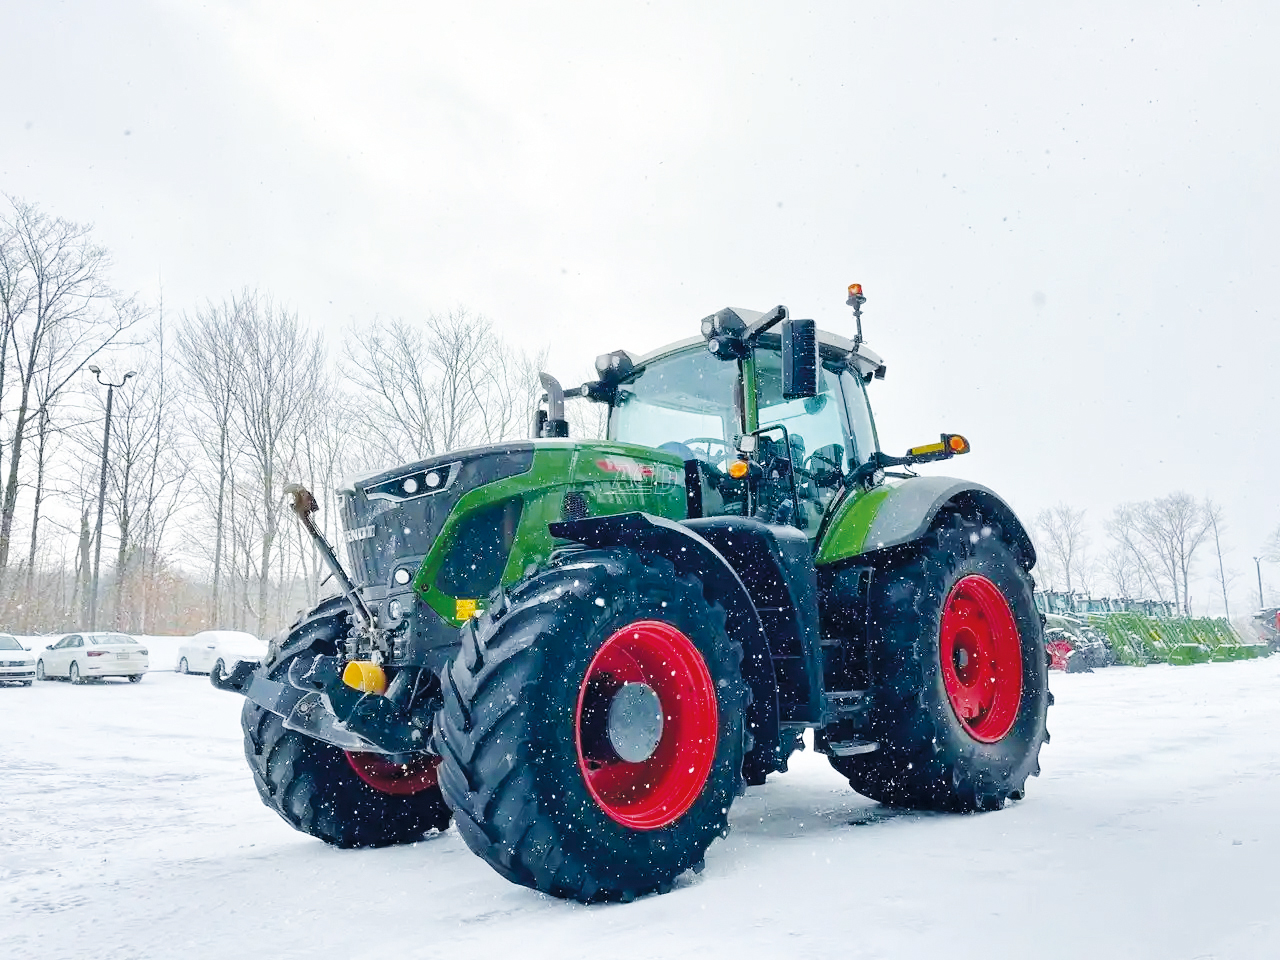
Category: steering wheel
[717,449]
[823,469]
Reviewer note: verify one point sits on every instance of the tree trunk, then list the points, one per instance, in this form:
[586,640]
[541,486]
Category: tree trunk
[123,553]
[11,486]
[43,435]
[218,525]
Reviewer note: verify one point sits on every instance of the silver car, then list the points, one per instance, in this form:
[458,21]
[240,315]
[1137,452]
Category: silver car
[86,656]
[220,648]
[17,664]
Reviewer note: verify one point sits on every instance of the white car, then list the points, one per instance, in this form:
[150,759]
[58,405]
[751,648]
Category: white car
[17,664]
[218,647]
[85,656]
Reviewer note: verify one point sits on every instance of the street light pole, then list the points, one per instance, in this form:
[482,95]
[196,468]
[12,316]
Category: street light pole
[102,491]
[1257,562]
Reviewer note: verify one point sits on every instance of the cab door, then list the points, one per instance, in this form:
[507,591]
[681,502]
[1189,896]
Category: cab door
[824,442]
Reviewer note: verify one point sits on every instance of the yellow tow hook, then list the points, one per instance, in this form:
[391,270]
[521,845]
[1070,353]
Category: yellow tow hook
[365,676]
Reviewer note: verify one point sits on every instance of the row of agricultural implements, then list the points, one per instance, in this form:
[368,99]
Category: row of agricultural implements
[1146,632]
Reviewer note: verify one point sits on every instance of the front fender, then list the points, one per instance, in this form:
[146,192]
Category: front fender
[896,513]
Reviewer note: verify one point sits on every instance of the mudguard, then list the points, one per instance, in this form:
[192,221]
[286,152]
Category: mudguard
[692,554]
[896,513]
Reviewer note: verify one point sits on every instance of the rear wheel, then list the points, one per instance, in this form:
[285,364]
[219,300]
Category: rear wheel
[135,678]
[346,799]
[959,676]
[592,729]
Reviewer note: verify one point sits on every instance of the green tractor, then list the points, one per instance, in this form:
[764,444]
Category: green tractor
[583,651]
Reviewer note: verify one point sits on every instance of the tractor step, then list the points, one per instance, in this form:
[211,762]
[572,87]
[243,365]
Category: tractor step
[846,703]
[851,748]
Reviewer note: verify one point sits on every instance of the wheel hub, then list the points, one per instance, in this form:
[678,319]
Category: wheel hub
[634,725]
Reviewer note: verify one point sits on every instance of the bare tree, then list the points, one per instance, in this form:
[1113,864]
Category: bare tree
[1171,529]
[1271,549]
[1064,537]
[390,366]
[1123,571]
[1132,552]
[69,315]
[441,385]
[280,368]
[1213,514]
[207,353]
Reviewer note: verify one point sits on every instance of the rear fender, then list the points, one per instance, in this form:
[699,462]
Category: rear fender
[692,554]
[892,515]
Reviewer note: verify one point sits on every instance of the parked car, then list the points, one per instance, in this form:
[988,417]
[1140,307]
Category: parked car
[218,647]
[17,664]
[86,656]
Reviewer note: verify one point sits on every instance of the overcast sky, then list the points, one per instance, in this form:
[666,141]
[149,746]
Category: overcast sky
[1065,218]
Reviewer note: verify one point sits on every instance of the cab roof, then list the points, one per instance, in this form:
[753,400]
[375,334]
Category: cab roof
[831,344]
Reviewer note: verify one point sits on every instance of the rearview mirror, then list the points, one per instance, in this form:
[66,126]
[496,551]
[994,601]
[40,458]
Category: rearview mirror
[799,359]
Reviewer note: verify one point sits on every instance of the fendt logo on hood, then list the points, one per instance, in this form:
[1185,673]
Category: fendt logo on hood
[659,474]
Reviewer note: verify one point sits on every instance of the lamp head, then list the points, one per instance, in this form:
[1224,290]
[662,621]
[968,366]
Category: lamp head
[94,369]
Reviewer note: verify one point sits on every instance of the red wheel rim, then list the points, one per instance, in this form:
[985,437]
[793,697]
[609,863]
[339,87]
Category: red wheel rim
[657,791]
[981,657]
[400,779]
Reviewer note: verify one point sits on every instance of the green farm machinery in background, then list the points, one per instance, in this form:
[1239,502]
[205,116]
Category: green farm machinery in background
[1138,632]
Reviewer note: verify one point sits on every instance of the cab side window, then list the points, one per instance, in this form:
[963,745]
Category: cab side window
[816,432]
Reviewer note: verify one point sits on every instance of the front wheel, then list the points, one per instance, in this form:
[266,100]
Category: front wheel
[591,737]
[40,674]
[73,673]
[182,666]
[345,799]
[959,686]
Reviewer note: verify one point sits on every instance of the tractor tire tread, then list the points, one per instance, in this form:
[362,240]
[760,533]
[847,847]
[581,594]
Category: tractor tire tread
[486,774]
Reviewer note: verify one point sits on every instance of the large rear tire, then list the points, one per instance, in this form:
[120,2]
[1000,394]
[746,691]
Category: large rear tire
[959,676]
[592,730]
[348,800]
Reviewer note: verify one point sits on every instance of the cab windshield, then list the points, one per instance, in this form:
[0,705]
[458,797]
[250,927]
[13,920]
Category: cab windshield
[682,403]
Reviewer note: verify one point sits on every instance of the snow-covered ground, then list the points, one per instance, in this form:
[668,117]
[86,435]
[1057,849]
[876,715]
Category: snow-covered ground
[131,828]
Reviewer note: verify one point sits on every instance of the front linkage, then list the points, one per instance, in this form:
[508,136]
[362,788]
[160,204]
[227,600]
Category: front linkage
[342,699]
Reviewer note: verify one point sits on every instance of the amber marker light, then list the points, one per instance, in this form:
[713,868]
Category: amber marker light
[926,450]
[738,469]
[957,443]
[855,290]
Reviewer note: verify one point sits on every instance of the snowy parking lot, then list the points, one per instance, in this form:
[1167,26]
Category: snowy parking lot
[132,829]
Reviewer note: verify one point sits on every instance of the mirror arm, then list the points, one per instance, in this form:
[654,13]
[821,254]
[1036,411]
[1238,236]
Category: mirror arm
[768,321]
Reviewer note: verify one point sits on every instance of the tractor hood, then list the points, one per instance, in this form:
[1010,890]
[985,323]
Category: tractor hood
[392,517]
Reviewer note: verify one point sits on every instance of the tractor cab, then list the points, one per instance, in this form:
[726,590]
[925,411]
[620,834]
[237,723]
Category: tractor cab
[731,397]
